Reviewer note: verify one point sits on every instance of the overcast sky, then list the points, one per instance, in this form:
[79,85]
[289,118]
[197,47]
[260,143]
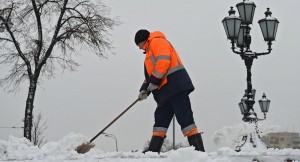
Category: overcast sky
[87,100]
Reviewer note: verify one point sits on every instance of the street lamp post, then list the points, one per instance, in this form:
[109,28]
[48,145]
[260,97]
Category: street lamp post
[174,132]
[113,137]
[238,29]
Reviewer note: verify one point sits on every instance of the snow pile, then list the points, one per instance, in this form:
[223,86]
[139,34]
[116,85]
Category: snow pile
[17,149]
[230,136]
[21,150]
[248,146]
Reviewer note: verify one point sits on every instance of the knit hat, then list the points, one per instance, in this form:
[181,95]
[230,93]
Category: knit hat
[141,36]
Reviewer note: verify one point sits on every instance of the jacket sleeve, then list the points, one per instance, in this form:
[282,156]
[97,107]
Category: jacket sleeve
[144,86]
[161,52]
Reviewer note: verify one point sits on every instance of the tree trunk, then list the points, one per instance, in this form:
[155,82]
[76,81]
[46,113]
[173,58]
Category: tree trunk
[29,109]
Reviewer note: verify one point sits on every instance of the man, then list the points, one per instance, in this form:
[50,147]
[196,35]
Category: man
[170,84]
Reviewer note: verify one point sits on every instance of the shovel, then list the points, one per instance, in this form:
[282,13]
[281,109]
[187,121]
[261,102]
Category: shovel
[85,147]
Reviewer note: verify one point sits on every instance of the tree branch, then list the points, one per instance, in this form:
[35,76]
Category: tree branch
[40,32]
[57,29]
[5,39]
[15,42]
[44,26]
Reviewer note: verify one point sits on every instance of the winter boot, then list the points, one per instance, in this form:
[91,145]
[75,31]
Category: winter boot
[155,144]
[196,141]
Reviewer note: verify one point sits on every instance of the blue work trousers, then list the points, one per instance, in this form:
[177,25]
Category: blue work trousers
[180,106]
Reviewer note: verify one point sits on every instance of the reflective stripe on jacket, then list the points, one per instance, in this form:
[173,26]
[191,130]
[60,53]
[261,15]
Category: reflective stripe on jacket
[163,67]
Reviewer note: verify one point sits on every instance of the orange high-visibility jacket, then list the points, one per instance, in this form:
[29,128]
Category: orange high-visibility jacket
[163,67]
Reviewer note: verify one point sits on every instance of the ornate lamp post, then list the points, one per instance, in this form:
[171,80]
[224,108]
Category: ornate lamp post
[238,29]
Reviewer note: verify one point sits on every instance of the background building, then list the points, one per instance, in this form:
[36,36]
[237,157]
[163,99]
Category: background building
[282,140]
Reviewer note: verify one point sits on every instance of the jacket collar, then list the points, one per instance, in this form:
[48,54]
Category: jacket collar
[153,35]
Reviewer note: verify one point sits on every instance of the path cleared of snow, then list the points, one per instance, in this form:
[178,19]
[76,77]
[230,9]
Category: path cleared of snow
[21,150]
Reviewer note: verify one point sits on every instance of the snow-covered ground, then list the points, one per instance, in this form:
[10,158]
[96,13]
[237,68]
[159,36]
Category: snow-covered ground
[21,150]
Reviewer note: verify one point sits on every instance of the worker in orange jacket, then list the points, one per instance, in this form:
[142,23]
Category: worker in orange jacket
[168,81]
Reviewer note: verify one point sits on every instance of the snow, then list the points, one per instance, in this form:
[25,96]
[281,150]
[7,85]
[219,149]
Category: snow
[231,135]
[248,146]
[21,150]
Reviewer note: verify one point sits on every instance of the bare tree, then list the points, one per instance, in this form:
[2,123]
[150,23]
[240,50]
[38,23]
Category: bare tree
[39,35]
[38,129]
